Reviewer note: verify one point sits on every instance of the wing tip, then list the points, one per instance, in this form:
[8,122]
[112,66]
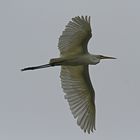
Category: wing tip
[85,18]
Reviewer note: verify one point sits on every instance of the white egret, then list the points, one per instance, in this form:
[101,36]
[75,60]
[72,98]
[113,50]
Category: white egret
[74,60]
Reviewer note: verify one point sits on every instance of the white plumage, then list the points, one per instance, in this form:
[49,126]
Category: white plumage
[74,60]
[80,95]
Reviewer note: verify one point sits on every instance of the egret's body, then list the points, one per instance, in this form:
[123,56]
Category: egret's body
[84,59]
[74,60]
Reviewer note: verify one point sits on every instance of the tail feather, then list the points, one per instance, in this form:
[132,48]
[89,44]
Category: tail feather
[57,61]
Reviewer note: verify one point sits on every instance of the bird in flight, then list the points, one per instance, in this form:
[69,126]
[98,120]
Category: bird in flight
[75,80]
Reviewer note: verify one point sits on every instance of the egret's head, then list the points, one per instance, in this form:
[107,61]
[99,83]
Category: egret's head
[95,59]
[106,57]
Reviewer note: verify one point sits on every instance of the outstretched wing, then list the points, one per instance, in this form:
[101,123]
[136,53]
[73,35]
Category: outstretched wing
[80,94]
[75,37]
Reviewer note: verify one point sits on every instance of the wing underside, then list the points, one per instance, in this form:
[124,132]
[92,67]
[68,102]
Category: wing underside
[75,37]
[80,95]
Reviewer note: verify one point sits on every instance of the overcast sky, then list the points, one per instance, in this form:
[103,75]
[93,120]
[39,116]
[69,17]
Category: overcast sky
[32,104]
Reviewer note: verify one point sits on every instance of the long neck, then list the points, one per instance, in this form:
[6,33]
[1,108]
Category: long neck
[94,59]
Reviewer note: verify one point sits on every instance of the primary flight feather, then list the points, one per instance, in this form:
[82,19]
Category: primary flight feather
[74,60]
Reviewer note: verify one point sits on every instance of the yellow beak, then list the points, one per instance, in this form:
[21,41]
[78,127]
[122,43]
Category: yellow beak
[106,57]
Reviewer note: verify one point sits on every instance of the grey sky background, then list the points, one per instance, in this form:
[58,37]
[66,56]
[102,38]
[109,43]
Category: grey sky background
[32,104]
